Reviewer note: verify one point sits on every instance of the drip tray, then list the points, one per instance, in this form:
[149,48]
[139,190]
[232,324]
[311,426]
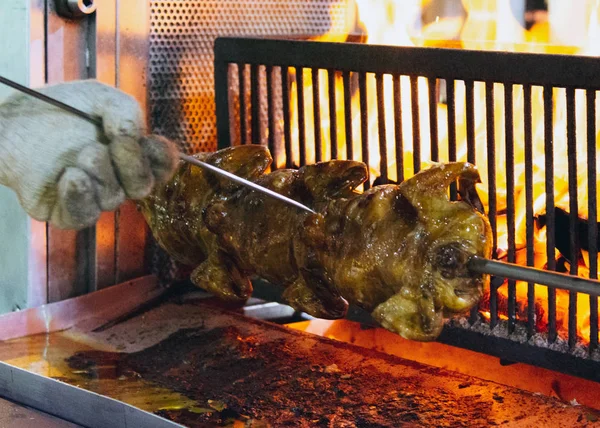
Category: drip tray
[198,364]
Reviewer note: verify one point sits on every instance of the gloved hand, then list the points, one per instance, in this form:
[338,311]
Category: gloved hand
[66,170]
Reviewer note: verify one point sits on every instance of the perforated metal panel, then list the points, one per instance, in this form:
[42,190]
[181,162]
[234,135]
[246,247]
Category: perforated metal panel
[182,33]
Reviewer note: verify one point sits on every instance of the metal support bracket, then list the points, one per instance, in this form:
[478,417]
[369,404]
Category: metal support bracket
[75,9]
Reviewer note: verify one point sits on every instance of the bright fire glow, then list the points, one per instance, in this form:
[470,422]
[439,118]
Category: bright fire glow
[488,25]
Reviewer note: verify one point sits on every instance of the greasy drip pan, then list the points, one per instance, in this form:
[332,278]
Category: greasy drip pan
[192,362]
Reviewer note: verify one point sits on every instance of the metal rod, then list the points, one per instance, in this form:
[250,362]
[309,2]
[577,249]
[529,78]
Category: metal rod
[242,181]
[537,276]
[573,212]
[550,215]
[364,121]
[492,211]
[54,102]
[255,97]
[332,113]
[592,214]
[510,200]
[470,102]
[451,102]
[223,75]
[287,129]
[301,115]
[316,93]
[398,129]
[383,161]
[416,128]
[433,121]
[242,97]
[471,155]
[271,117]
[529,219]
[348,116]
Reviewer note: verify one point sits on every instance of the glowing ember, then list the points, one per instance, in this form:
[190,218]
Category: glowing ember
[484,25]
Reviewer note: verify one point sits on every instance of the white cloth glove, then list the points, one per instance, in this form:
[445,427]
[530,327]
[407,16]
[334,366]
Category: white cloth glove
[66,170]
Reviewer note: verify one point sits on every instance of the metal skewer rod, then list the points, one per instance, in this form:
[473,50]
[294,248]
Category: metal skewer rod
[247,183]
[189,159]
[49,100]
[534,275]
[476,264]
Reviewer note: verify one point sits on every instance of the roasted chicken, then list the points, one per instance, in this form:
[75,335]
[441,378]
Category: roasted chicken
[398,251]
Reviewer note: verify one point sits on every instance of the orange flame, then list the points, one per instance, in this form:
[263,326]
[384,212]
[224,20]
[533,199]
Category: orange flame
[483,25]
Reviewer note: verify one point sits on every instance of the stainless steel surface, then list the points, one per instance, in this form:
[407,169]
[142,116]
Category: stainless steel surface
[71,403]
[273,311]
[70,253]
[244,182]
[39,46]
[534,275]
[110,45]
[74,9]
[103,66]
[13,415]
[132,22]
[90,311]
[23,245]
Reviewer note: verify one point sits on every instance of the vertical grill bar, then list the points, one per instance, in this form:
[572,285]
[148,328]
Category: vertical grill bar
[492,211]
[592,213]
[470,112]
[317,114]
[255,104]
[573,212]
[383,167]
[271,115]
[242,84]
[433,121]
[332,113]
[450,99]
[364,120]
[416,128]
[287,131]
[510,200]
[348,115]
[301,115]
[529,206]
[550,215]
[398,129]
[222,74]
[470,101]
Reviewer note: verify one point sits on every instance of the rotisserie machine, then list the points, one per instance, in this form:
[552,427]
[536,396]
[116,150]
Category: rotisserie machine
[103,328]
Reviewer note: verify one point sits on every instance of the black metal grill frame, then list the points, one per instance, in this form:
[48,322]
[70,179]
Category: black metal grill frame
[450,65]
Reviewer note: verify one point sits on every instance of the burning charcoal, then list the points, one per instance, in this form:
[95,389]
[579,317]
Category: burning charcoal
[520,310]
[562,227]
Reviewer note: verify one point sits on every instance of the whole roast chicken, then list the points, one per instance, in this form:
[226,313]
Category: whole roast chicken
[397,251]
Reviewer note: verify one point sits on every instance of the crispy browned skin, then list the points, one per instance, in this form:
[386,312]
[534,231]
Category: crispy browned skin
[398,251]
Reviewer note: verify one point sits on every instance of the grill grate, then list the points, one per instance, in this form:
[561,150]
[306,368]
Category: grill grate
[382,109]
